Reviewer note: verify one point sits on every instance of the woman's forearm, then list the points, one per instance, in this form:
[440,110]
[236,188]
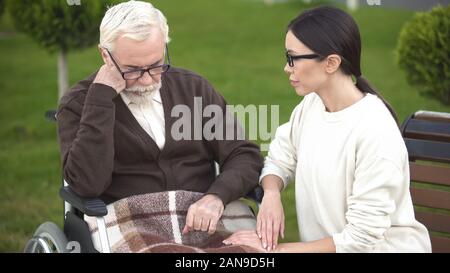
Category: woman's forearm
[272,183]
[325,245]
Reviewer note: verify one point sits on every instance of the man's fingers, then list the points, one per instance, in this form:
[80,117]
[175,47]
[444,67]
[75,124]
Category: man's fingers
[205,224]
[282,229]
[189,221]
[206,213]
[212,226]
[197,223]
[185,230]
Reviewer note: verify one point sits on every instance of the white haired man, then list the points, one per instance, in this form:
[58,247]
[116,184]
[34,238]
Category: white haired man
[114,127]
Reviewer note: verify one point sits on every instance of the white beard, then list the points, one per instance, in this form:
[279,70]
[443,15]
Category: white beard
[141,95]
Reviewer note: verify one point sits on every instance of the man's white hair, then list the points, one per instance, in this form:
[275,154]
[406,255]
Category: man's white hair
[132,19]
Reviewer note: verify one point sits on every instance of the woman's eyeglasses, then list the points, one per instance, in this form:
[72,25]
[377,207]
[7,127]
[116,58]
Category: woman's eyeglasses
[291,58]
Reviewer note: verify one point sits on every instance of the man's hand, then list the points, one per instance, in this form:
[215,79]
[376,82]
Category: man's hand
[204,214]
[110,76]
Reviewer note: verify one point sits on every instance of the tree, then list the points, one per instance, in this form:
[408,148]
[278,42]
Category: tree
[59,26]
[2,6]
[423,52]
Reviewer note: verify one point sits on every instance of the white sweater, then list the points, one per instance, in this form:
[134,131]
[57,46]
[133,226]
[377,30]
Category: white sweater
[351,177]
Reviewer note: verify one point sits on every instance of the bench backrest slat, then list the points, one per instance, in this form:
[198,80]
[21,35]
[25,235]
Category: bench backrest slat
[434,221]
[440,244]
[430,174]
[431,198]
[429,130]
[419,149]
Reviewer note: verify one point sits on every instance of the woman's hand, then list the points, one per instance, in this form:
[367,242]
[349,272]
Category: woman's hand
[270,220]
[245,237]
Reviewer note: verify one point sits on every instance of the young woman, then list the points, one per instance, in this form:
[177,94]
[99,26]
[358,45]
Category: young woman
[344,149]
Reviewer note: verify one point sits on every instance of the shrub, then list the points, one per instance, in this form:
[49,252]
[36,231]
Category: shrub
[423,52]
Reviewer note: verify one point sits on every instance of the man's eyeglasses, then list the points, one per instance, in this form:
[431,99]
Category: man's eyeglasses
[137,73]
[291,58]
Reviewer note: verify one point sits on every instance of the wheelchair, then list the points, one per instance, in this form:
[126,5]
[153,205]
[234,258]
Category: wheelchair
[75,236]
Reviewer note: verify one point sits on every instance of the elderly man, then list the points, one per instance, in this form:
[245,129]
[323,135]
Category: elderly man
[115,126]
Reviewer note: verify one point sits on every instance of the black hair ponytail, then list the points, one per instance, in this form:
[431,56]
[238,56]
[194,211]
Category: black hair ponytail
[328,30]
[363,85]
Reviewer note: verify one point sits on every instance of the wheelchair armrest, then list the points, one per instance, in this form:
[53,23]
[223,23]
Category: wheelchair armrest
[88,206]
[256,194]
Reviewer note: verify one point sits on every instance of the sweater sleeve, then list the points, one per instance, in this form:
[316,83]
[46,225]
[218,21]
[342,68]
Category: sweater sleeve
[240,160]
[378,180]
[85,134]
[282,156]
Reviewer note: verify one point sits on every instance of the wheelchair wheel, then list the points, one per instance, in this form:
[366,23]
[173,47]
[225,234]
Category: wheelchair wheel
[48,238]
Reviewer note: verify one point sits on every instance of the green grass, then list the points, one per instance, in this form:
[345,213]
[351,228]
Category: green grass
[238,45]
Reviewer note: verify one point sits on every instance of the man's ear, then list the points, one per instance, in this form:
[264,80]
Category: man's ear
[104,55]
[333,62]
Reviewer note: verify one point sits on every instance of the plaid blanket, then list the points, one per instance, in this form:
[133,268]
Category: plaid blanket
[153,223]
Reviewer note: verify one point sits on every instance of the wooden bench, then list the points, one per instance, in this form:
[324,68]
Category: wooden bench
[427,138]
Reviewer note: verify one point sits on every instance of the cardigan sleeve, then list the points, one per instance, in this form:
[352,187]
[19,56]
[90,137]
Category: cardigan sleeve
[239,159]
[85,134]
